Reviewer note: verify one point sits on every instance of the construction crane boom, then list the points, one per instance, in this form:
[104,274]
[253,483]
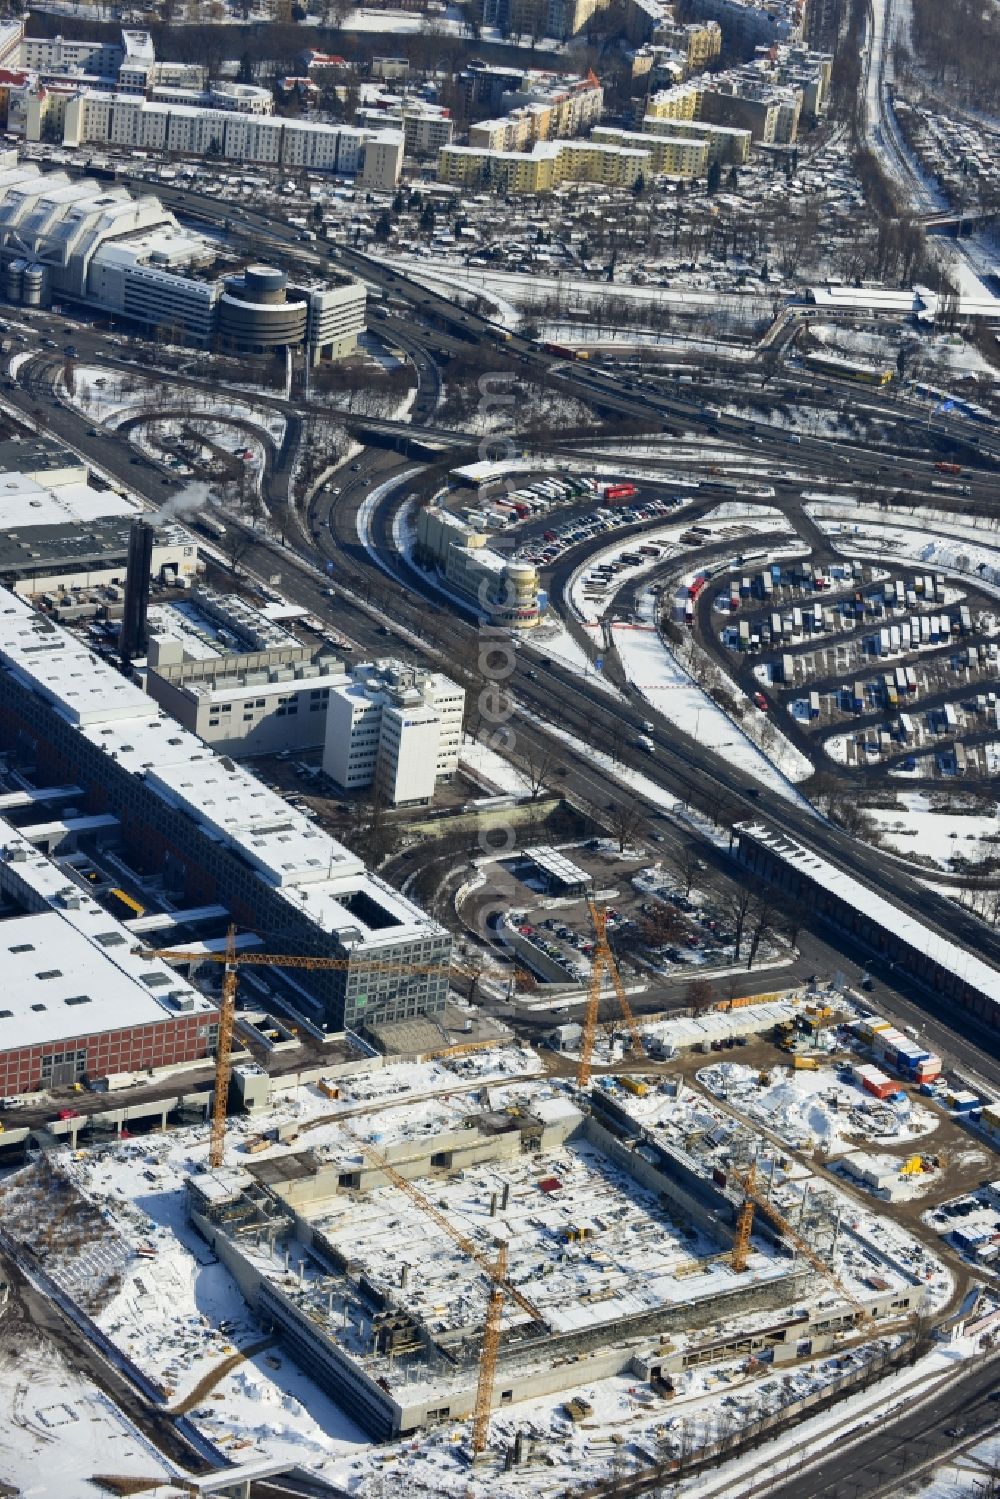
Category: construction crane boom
[744,1223]
[490,1353]
[603,959]
[279,960]
[457,1237]
[224,1054]
[753,1199]
[233,961]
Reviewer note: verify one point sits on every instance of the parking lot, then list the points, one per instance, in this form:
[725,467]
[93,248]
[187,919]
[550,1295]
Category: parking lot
[878,668]
[661,922]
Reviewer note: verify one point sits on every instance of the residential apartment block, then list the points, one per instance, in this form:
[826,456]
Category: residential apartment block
[745,23]
[599,159]
[425,127]
[395,727]
[669,155]
[90,116]
[766,97]
[558,104]
[726,143]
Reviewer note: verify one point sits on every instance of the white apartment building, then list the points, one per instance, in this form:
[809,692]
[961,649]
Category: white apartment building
[86,115]
[396,727]
[426,127]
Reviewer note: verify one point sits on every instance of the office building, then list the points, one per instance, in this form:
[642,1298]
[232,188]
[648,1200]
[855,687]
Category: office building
[212,831]
[500,591]
[82,241]
[397,728]
[239,680]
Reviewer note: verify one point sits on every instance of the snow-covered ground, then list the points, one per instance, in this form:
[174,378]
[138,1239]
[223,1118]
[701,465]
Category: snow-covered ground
[57,1430]
[655,670]
[512,291]
[551,639]
[933,538]
[941,834]
[110,398]
[815,1108]
[481,761]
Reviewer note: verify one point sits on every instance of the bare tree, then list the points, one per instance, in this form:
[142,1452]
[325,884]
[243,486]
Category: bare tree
[736,902]
[700,996]
[796,914]
[764,917]
[688,868]
[539,766]
[236,546]
[626,820]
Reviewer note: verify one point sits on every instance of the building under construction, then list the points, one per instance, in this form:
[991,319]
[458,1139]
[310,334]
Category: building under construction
[612,1248]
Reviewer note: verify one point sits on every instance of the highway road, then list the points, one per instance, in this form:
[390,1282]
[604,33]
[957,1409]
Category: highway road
[886,1458]
[548,694]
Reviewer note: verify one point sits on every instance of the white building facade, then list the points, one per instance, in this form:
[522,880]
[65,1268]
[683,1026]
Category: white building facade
[394,727]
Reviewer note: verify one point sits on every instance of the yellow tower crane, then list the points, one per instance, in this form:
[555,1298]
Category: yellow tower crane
[501,1288]
[752,1199]
[233,961]
[488,1358]
[603,960]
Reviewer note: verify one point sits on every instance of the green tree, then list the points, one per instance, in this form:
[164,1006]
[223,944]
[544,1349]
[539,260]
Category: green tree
[714,179]
[383,227]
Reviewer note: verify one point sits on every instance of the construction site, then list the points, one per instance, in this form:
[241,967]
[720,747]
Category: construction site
[471,1257]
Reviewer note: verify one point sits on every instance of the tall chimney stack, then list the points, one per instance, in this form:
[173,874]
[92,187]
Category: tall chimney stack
[132,641]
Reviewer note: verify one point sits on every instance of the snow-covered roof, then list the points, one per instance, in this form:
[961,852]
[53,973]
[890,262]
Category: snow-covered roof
[557,865]
[25,502]
[948,955]
[313,872]
[69,968]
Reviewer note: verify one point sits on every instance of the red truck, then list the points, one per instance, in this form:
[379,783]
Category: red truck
[948,468]
[619,492]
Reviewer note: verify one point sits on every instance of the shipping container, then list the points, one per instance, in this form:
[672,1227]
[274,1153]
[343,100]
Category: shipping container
[634,1085]
[814,705]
